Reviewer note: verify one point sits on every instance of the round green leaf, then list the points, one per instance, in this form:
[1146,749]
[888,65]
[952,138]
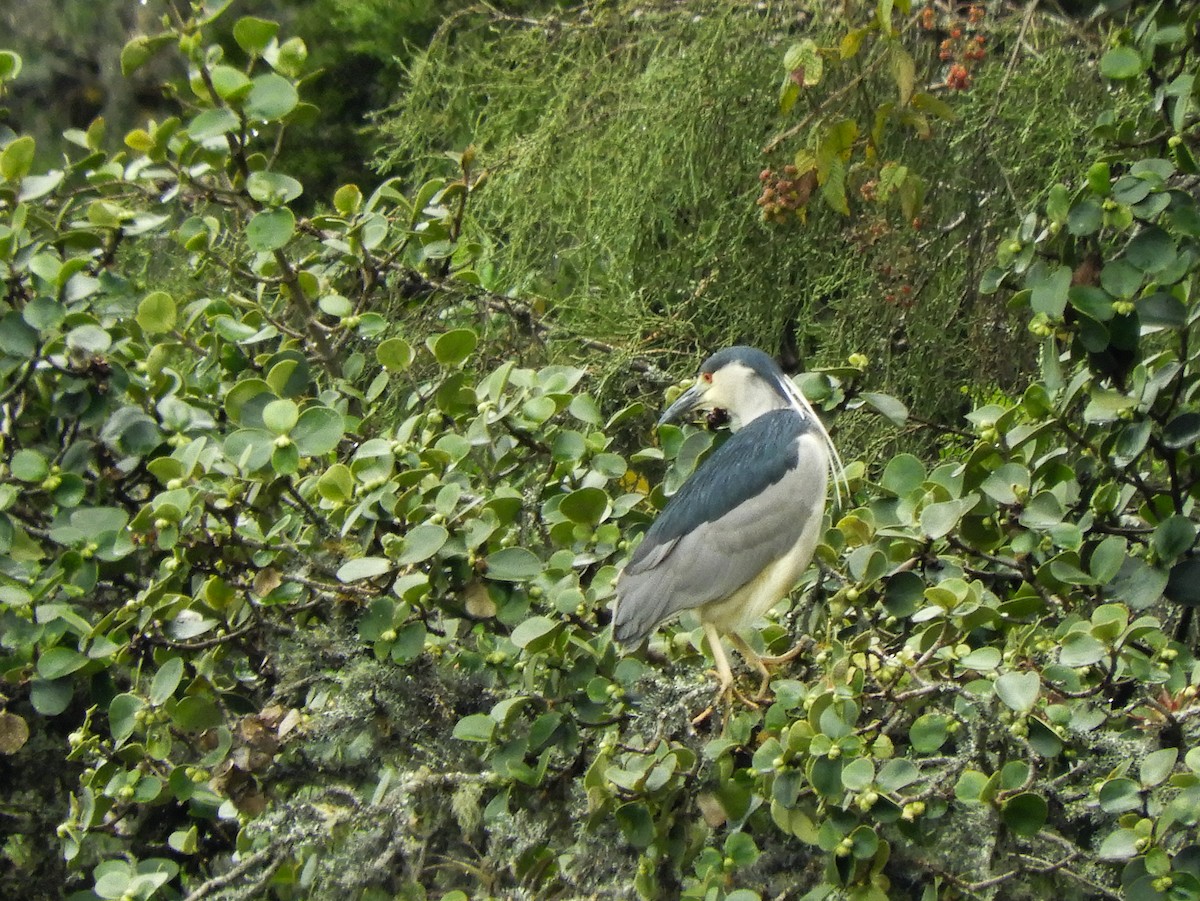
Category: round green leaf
[17,158]
[1120,795]
[336,483]
[394,354]
[270,229]
[196,713]
[858,774]
[59,661]
[273,188]
[585,505]
[90,339]
[50,697]
[253,34]
[29,466]
[929,732]
[285,460]
[318,431]
[156,313]
[1173,536]
[271,98]
[363,568]
[1121,62]
[422,542]
[279,416]
[891,408]
[1081,649]
[1157,765]
[1025,814]
[409,643]
[513,564]
[231,84]
[1019,690]
[347,200]
[903,473]
[452,348]
[212,123]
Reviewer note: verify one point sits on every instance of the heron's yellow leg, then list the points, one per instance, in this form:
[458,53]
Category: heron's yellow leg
[726,691]
[762,664]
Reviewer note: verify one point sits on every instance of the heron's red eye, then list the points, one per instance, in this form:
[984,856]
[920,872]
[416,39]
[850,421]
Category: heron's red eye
[706,377]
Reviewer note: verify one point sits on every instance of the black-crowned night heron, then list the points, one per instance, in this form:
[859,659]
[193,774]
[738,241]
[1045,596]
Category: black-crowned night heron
[733,541]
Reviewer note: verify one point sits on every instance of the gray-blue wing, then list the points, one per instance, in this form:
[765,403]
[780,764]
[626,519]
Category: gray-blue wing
[743,509]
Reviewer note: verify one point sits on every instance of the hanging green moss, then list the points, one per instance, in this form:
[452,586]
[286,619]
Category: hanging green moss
[624,150]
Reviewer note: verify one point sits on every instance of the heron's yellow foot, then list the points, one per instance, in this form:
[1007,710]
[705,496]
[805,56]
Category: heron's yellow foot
[764,664]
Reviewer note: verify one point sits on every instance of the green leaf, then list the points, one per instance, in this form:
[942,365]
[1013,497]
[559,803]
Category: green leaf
[318,431]
[394,354]
[347,200]
[17,158]
[1019,690]
[938,520]
[1151,250]
[59,661]
[271,98]
[1119,845]
[1050,292]
[422,542]
[10,65]
[890,407]
[804,58]
[156,313]
[588,506]
[532,629]
[122,716]
[929,732]
[1025,814]
[903,473]
[1173,537]
[363,568]
[477,727]
[1121,62]
[166,680]
[196,713]
[409,643]
[270,229]
[896,774]
[636,823]
[858,774]
[513,564]
[254,34]
[1157,765]
[971,786]
[279,416]
[453,347]
[336,483]
[50,697]
[1081,649]
[212,123]
[273,188]
[29,466]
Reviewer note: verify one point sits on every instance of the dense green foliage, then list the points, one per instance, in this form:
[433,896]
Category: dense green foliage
[302,600]
[625,143]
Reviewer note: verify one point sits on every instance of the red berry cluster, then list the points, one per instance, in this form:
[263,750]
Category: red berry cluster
[960,49]
[785,193]
[899,290]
